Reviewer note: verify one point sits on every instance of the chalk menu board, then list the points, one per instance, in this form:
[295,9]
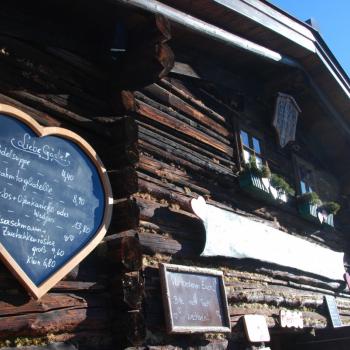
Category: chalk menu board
[194,299]
[52,200]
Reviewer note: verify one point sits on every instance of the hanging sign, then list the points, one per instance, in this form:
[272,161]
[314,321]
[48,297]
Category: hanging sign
[289,319]
[333,311]
[55,200]
[285,118]
[194,299]
[347,279]
[256,328]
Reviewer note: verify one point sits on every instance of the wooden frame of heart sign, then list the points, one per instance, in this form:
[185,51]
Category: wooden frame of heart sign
[33,289]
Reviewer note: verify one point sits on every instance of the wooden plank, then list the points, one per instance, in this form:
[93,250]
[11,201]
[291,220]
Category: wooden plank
[166,120]
[281,17]
[176,86]
[173,112]
[50,346]
[192,163]
[172,100]
[276,21]
[54,321]
[10,305]
[180,143]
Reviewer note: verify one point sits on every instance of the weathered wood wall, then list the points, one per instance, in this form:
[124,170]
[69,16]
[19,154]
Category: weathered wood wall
[187,137]
[176,140]
[51,68]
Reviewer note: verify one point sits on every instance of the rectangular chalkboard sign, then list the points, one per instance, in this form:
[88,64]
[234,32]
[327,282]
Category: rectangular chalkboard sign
[333,311]
[194,299]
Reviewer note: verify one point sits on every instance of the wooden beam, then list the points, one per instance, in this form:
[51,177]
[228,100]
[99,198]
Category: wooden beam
[204,28]
[51,346]
[131,73]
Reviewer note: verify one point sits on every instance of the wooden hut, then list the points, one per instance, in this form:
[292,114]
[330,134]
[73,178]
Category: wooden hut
[186,103]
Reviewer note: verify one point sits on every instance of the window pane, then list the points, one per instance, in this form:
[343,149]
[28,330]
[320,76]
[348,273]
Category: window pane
[246,156]
[302,171]
[256,145]
[259,162]
[244,138]
[303,187]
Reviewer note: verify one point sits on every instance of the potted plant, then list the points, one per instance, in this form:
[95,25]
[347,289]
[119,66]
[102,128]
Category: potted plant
[327,211]
[311,208]
[280,188]
[308,204]
[255,180]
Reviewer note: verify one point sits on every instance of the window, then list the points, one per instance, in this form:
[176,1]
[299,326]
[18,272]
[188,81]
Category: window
[305,176]
[251,146]
[312,179]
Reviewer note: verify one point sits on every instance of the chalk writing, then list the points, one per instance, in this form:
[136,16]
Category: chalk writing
[195,299]
[50,194]
[67,176]
[45,151]
[11,154]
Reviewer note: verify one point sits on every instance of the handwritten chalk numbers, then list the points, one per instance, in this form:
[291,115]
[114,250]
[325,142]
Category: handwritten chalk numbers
[57,252]
[67,176]
[81,228]
[49,263]
[78,201]
[68,238]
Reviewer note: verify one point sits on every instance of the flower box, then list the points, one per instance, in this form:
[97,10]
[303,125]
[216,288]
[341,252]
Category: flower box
[279,195]
[327,219]
[308,212]
[254,185]
[312,213]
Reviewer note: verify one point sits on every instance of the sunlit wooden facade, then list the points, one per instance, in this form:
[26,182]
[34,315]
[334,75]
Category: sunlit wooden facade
[175,97]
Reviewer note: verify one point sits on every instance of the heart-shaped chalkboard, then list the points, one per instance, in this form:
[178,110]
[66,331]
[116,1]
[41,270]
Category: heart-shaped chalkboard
[55,200]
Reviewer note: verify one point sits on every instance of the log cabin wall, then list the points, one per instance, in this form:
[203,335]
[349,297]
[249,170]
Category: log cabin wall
[165,137]
[59,71]
[188,137]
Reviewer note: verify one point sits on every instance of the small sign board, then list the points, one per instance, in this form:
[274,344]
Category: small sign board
[256,328]
[289,319]
[194,299]
[333,311]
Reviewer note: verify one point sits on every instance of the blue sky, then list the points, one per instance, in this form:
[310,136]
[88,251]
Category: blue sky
[333,20]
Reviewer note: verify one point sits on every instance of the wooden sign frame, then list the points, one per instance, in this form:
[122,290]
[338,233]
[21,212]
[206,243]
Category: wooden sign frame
[38,291]
[170,324]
